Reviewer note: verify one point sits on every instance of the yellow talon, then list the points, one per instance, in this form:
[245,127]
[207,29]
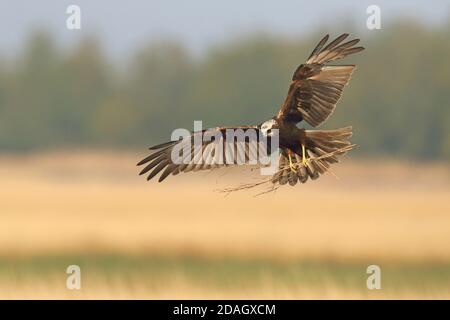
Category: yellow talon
[291,165]
[304,160]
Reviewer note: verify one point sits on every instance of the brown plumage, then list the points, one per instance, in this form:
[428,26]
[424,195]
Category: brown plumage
[315,89]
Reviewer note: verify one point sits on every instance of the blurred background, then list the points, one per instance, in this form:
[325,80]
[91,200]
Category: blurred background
[78,109]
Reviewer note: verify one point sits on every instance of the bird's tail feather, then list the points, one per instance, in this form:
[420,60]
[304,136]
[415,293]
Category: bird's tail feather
[323,147]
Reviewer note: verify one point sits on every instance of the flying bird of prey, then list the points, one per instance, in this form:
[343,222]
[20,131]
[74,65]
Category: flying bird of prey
[314,91]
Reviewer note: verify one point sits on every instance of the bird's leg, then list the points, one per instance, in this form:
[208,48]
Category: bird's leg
[304,160]
[291,165]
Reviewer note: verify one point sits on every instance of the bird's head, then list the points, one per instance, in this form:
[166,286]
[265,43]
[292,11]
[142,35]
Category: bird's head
[268,126]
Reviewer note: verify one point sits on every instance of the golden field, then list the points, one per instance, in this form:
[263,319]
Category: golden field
[185,239]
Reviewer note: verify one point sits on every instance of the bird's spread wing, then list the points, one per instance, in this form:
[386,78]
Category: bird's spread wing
[216,148]
[316,87]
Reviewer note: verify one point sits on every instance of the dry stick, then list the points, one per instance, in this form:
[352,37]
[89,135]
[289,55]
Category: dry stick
[253,185]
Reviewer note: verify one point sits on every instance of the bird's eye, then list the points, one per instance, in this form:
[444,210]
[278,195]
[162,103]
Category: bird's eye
[269,131]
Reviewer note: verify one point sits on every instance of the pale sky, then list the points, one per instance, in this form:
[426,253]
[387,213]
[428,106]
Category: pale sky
[124,25]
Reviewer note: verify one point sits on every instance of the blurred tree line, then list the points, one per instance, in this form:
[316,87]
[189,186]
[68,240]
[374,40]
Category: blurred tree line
[398,100]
